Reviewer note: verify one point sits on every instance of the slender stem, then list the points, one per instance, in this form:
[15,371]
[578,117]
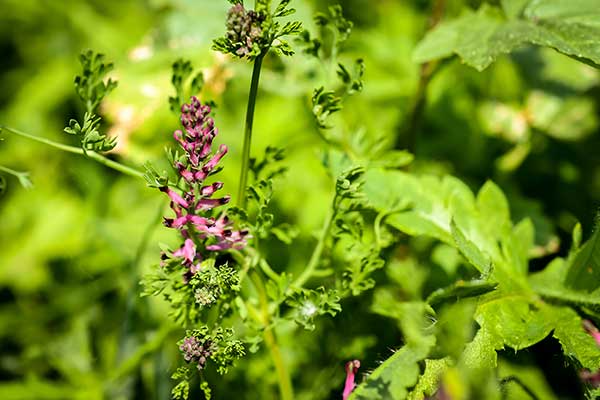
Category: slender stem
[77,150]
[377,228]
[241,199]
[318,250]
[519,382]
[407,135]
[266,268]
[49,142]
[115,165]
[262,263]
[283,377]
[12,171]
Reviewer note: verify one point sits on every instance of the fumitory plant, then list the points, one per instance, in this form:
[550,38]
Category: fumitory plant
[419,283]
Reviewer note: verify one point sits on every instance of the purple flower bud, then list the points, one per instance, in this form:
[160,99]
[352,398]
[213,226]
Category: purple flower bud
[351,370]
[176,198]
[195,351]
[243,29]
[188,251]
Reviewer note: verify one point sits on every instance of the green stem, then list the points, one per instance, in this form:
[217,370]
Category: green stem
[283,378]
[77,150]
[526,389]
[241,200]
[12,171]
[126,367]
[408,133]
[318,251]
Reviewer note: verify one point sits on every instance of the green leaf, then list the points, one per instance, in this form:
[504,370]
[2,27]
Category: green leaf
[575,341]
[584,271]
[89,131]
[549,283]
[481,351]
[471,252]
[393,378]
[514,8]
[516,246]
[460,290]
[493,209]
[570,27]
[419,205]
[428,383]
[515,322]
[469,36]
[90,85]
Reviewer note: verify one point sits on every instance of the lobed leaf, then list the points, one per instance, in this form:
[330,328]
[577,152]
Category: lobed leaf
[478,38]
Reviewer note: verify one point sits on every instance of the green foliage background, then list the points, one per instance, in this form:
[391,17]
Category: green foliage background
[74,247]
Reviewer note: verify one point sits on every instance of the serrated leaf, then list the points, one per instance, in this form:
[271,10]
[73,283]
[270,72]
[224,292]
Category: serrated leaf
[515,322]
[481,351]
[575,341]
[569,27]
[428,383]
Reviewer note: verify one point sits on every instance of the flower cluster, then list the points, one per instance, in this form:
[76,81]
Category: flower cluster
[201,231]
[243,29]
[195,351]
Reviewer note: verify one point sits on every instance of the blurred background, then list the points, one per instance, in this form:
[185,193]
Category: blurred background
[74,247]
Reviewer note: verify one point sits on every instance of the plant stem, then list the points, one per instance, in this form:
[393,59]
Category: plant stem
[77,150]
[318,251]
[12,171]
[519,382]
[407,135]
[241,199]
[283,378]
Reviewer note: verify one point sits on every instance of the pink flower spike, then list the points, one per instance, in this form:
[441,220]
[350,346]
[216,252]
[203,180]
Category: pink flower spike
[188,251]
[201,223]
[210,189]
[212,163]
[187,175]
[351,370]
[592,330]
[209,204]
[176,198]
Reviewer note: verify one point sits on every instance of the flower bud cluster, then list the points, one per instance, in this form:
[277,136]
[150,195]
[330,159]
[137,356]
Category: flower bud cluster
[196,351]
[243,29]
[193,201]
